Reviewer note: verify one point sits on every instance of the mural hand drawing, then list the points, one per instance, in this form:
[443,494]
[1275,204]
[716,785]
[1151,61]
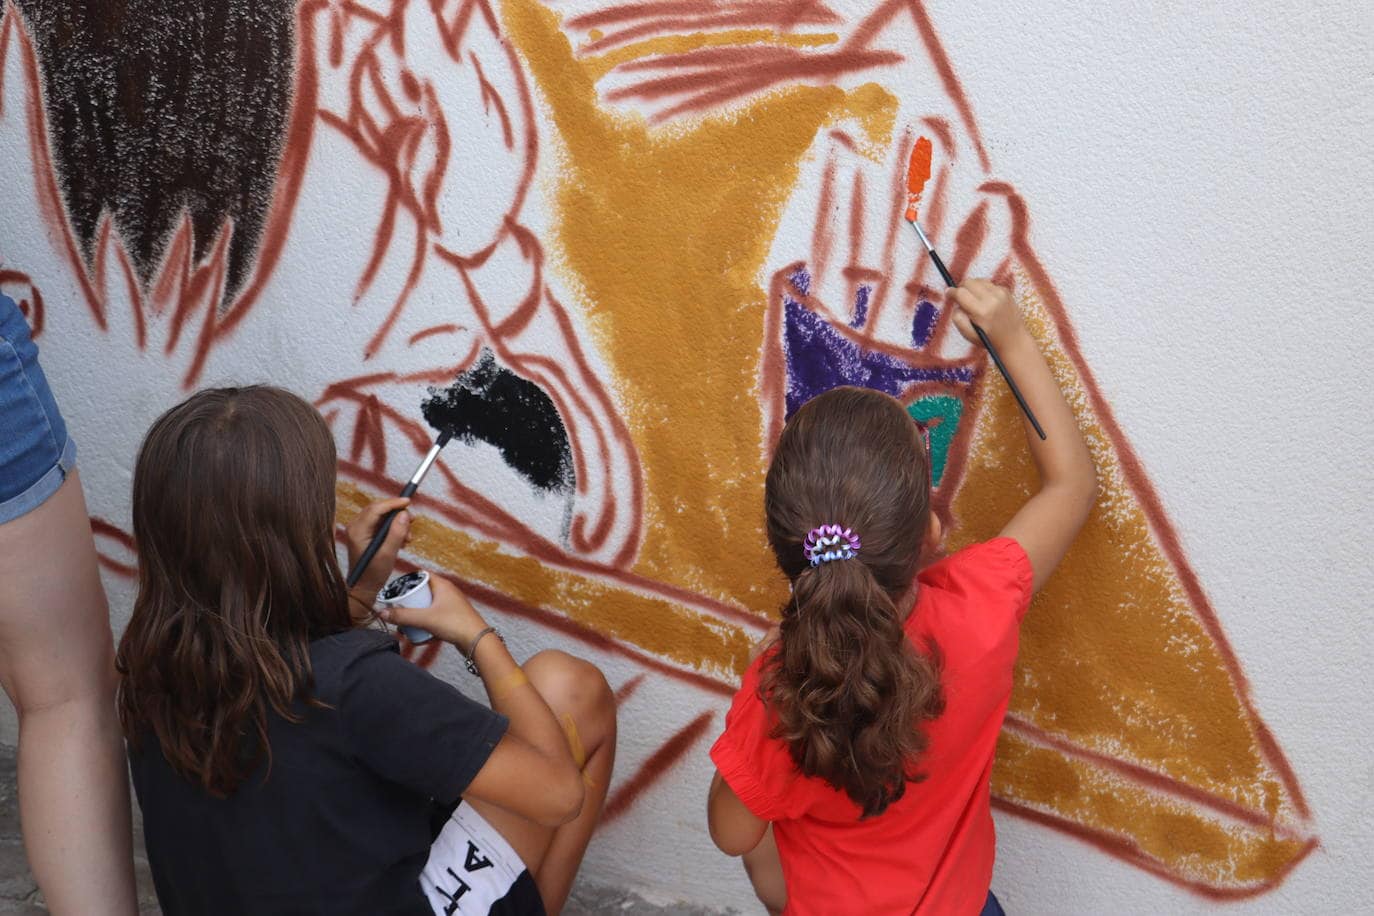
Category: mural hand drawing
[431,137]
[860,310]
[640,234]
[437,105]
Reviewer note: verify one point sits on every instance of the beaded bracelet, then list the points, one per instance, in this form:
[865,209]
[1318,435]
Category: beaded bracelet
[472,652]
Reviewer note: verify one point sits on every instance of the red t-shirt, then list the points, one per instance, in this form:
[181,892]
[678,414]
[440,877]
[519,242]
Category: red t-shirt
[932,851]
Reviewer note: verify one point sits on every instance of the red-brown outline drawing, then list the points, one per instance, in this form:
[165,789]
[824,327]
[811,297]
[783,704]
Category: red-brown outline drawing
[699,81]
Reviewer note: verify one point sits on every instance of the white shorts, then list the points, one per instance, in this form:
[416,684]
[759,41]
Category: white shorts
[472,871]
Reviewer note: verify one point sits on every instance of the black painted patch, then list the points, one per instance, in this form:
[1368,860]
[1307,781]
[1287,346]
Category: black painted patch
[492,404]
[160,106]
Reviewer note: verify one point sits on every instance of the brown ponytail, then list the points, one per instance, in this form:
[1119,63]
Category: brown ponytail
[850,691]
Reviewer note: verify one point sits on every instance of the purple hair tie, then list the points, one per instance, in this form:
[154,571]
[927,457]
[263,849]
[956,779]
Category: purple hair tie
[831,542]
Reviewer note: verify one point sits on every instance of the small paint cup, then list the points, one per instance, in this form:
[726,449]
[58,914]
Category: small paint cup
[410,590]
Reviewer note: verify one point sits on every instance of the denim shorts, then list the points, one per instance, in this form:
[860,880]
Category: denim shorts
[36,454]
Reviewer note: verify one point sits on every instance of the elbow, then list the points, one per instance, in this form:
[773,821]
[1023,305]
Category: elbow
[1078,487]
[1071,477]
[716,838]
[1088,484]
[732,842]
[733,848]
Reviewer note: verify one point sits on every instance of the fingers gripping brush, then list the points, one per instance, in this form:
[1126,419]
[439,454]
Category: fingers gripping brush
[414,634]
[918,173]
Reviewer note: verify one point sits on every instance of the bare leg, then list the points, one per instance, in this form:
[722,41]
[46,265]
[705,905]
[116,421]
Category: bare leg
[764,869]
[56,664]
[581,699]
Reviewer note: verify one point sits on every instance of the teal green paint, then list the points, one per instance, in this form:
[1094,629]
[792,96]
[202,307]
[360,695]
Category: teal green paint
[947,408]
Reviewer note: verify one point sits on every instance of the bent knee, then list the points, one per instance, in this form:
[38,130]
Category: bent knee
[571,684]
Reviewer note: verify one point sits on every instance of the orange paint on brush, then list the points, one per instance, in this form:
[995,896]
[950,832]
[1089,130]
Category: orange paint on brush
[917,174]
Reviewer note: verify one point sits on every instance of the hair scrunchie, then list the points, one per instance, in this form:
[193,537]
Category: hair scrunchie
[830,542]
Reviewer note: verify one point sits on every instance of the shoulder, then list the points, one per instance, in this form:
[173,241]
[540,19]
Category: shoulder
[749,698]
[336,659]
[1001,560]
[996,575]
[350,645]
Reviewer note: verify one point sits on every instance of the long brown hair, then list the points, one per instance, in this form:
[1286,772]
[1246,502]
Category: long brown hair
[233,517]
[850,691]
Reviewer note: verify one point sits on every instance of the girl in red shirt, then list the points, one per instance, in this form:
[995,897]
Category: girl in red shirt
[853,773]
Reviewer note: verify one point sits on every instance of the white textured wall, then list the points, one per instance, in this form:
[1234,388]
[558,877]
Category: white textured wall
[1200,180]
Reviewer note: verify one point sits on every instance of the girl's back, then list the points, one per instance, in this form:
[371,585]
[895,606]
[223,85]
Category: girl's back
[929,851]
[355,841]
[864,736]
[285,760]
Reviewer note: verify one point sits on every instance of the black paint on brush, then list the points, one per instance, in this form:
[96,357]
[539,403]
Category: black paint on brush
[156,107]
[491,404]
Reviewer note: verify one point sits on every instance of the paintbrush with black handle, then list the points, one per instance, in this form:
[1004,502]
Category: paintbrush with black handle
[918,173]
[987,344]
[414,634]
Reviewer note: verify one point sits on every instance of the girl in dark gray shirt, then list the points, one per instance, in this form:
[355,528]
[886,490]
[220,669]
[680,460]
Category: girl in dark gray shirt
[286,757]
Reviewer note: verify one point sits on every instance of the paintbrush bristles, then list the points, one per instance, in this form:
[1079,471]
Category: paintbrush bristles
[917,174]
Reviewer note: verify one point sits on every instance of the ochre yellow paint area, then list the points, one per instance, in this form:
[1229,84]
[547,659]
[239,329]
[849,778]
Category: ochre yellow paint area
[1113,657]
[598,66]
[662,627]
[1186,841]
[664,233]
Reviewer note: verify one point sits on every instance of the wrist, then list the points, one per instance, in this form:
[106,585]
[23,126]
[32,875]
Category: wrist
[1016,338]
[488,646]
[361,601]
[464,637]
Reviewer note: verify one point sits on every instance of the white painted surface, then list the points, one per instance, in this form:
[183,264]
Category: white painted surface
[1202,183]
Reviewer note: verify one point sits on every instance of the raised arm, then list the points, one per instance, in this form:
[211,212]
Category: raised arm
[1049,521]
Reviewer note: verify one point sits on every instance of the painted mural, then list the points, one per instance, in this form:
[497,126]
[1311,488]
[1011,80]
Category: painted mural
[644,232]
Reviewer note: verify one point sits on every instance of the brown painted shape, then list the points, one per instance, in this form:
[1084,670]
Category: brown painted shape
[1108,749]
[664,247]
[1131,722]
[668,755]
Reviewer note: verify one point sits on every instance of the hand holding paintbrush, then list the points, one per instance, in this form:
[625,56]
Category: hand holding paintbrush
[443,409]
[373,540]
[918,173]
[359,566]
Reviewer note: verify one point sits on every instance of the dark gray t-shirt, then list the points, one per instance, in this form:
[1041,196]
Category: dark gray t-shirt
[342,821]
